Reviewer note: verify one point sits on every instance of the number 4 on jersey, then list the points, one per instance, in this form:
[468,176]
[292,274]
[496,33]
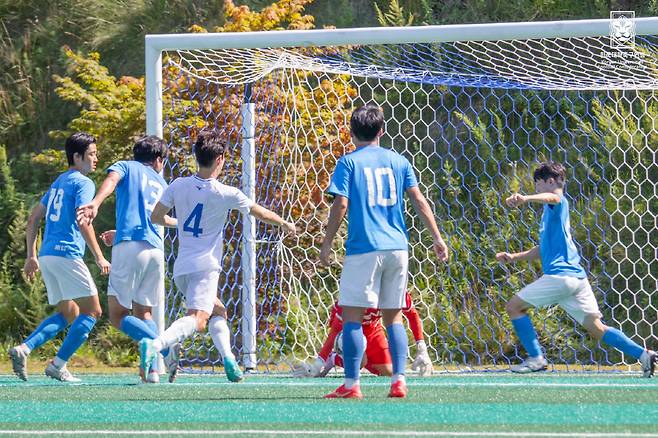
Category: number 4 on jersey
[195,217]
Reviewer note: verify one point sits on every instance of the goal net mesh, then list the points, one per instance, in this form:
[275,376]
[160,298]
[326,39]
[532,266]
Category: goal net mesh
[473,118]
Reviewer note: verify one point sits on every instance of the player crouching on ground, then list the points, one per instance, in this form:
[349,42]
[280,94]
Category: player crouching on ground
[202,205]
[377,355]
[564,281]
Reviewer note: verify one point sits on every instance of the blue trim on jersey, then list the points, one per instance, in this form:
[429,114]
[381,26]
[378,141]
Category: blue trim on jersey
[62,237]
[559,255]
[374,181]
[137,193]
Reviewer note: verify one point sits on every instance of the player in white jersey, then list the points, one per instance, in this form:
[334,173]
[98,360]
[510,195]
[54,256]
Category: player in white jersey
[202,205]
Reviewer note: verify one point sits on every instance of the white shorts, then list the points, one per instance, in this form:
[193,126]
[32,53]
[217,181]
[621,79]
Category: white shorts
[199,289]
[137,273]
[375,279]
[573,294]
[66,279]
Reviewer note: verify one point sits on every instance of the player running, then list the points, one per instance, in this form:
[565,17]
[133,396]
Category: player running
[564,281]
[68,281]
[202,204]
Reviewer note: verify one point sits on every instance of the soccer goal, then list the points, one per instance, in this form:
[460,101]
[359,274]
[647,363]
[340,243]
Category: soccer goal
[474,108]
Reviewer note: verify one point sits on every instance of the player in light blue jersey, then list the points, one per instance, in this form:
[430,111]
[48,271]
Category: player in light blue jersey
[564,281]
[68,282]
[137,277]
[369,185]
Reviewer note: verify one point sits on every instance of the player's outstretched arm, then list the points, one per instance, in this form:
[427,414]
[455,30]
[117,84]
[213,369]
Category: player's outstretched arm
[423,209]
[159,216]
[86,213]
[506,257]
[32,230]
[517,199]
[336,215]
[87,231]
[269,217]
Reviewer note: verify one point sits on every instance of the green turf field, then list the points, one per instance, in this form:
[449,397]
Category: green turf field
[490,404]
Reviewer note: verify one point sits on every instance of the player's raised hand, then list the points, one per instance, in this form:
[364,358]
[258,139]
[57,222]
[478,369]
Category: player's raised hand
[85,214]
[515,200]
[504,257]
[108,237]
[440,249]
[31,268]
[104,265]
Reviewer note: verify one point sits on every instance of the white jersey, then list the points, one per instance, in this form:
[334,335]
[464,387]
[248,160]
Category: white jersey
[202,206]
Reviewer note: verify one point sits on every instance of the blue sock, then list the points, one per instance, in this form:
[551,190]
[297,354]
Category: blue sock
[353,349]
[621,342]
[77,335]
[397,343]
[47,330]
[154,328]
[528,336]
[137,329]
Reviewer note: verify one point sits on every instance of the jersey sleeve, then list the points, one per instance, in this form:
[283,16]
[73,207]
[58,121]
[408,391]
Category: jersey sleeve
[120,167]
[409,176]
[239,201]
[335,327]
[167,198]
[44,198]
[340,180]
[85,191]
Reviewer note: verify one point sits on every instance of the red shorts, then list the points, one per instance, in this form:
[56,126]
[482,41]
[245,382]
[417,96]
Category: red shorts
[377,350]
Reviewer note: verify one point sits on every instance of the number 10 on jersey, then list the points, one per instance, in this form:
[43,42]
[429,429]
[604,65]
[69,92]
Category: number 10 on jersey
[376,182]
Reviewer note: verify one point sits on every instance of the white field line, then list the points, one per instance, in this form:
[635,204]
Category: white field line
[414,384]
[324,433]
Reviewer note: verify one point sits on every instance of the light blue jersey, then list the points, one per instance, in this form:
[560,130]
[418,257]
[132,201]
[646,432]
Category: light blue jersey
[374,181]
[559,255]
[137,193]
[62,236]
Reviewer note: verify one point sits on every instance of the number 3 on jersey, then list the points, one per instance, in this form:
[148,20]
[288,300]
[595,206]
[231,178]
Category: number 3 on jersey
[195,219]
[377,182]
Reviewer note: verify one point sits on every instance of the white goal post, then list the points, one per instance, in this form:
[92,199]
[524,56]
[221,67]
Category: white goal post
[499,75]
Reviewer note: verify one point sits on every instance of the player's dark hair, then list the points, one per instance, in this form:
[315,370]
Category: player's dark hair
[366,122]
[148,148]
[77,143]
[551,169]
[208,146]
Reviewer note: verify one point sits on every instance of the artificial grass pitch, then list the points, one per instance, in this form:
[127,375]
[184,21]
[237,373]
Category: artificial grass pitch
[489,404]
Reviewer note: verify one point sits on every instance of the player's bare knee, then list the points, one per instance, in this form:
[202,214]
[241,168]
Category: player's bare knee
[219,309]
[515,308]
[69,309]
[142,312]
[594,326]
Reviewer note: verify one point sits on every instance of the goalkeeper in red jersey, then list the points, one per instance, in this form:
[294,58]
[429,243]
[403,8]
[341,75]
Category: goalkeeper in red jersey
[377,355]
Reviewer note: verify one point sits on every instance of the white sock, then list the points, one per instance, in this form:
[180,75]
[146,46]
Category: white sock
[25,349]
[398,378]
[181,329]
[59,363]
[221,336]
[349,383]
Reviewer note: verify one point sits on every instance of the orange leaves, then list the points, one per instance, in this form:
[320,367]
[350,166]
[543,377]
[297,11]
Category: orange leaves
[283,14]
